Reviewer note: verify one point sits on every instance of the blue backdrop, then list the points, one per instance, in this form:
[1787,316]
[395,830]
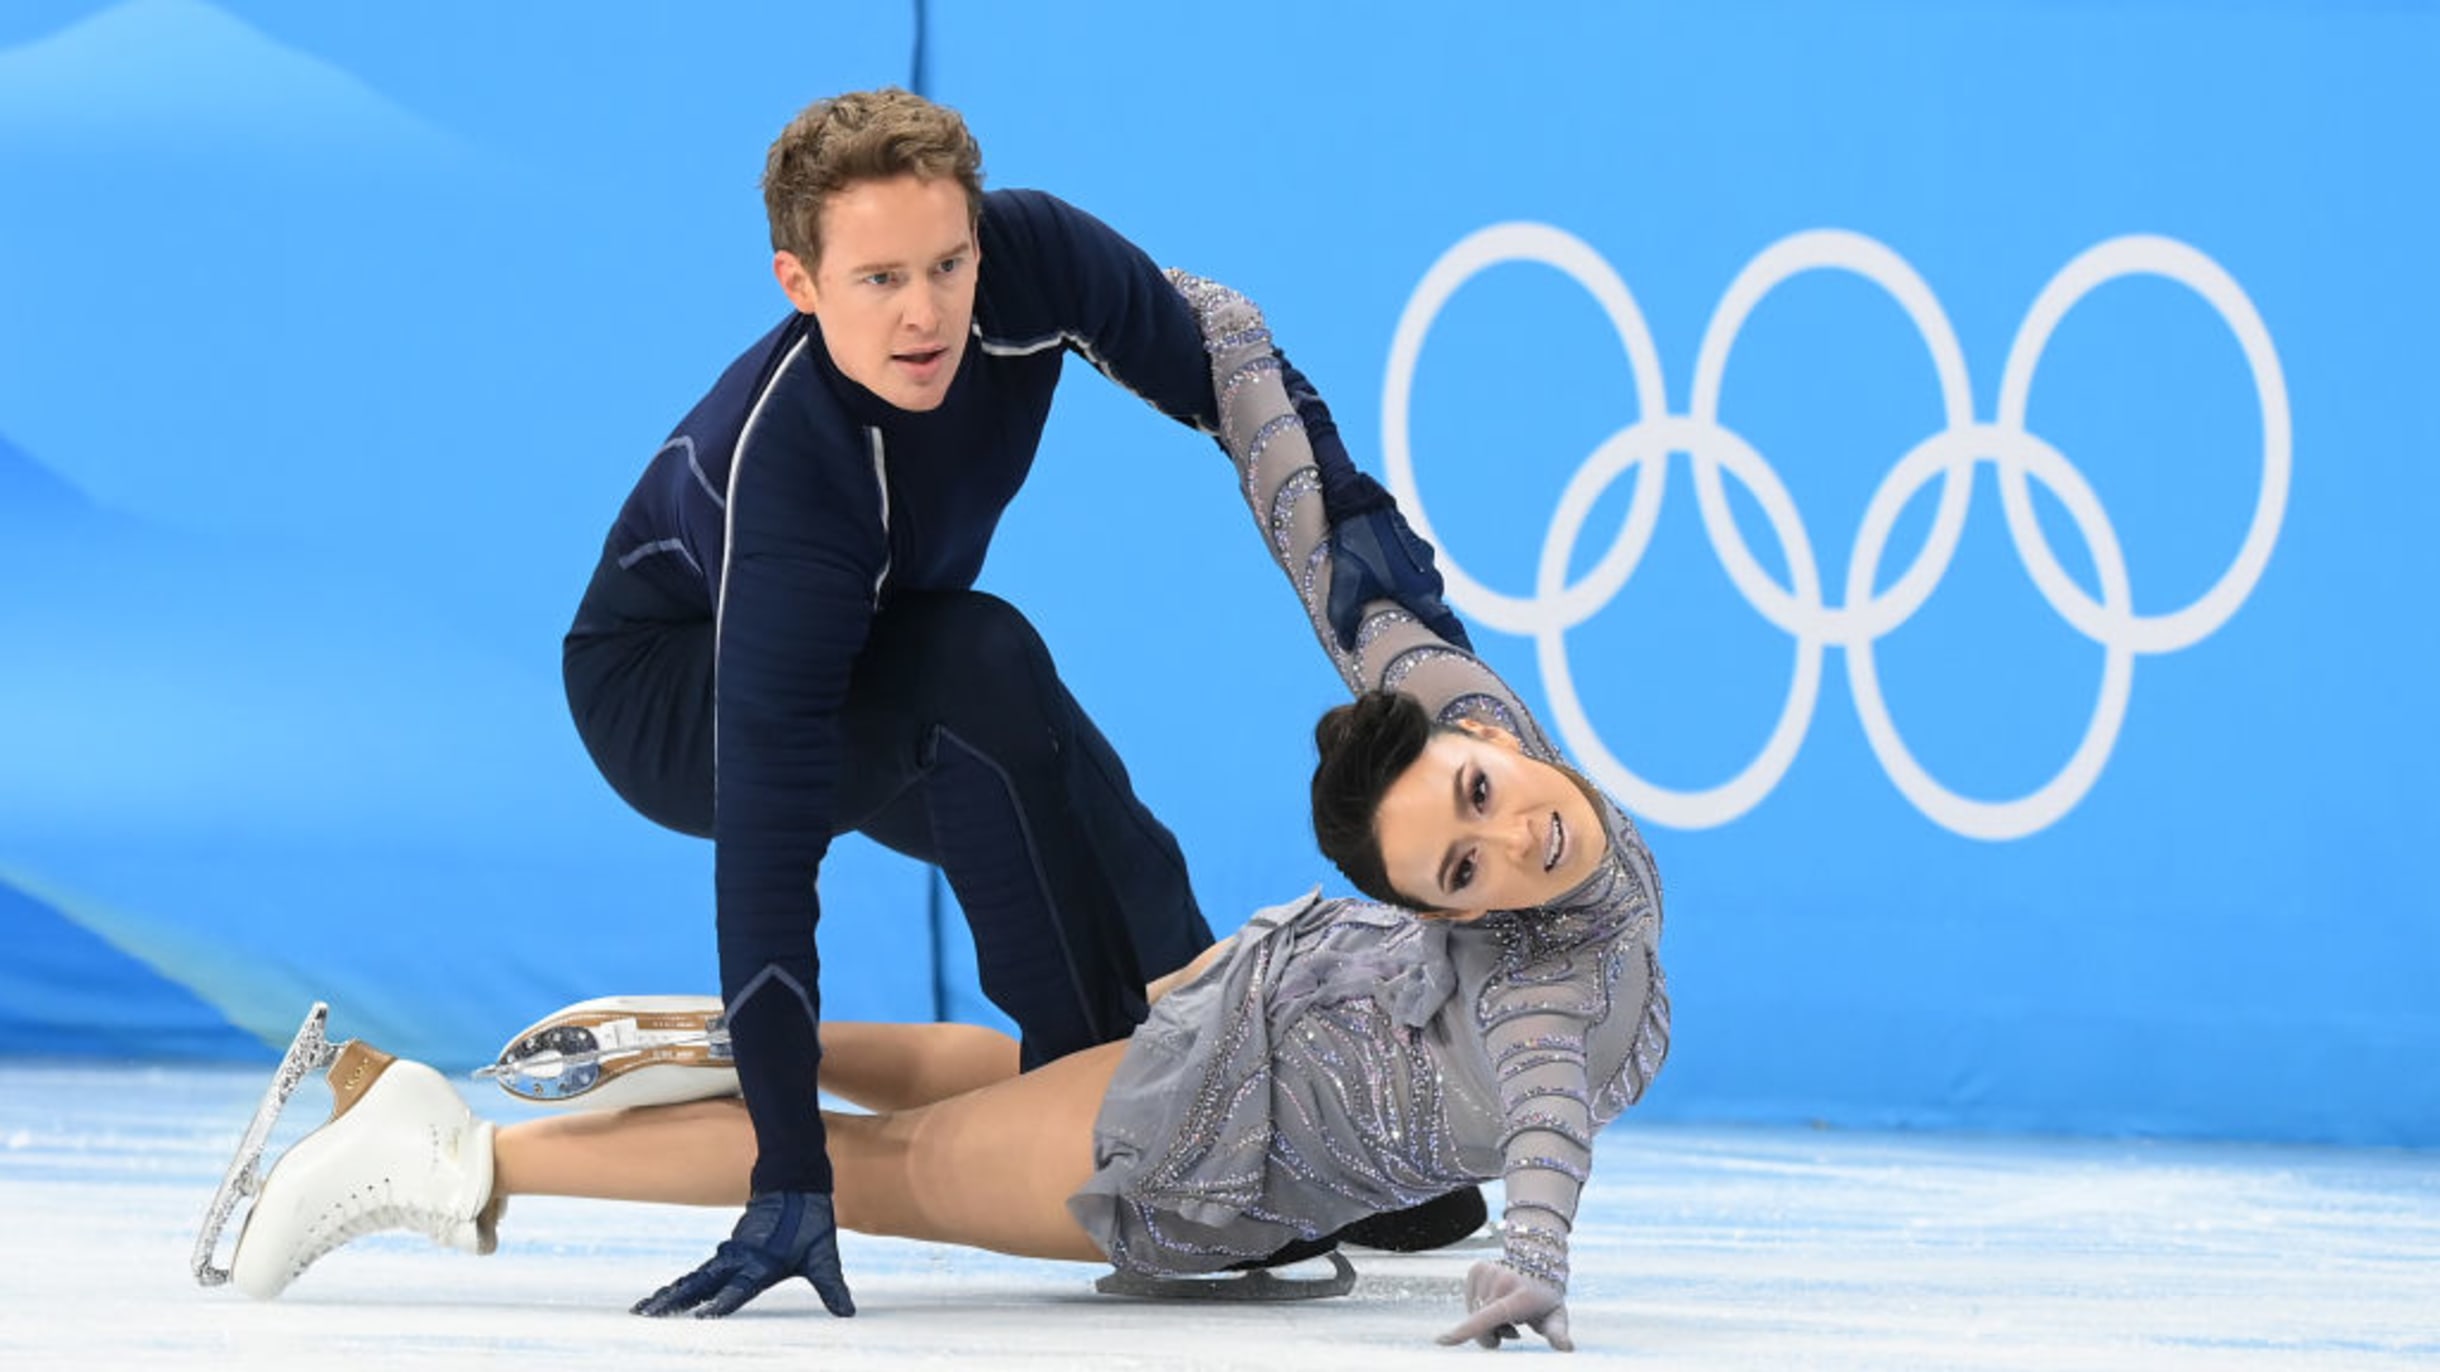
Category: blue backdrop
[1961,473]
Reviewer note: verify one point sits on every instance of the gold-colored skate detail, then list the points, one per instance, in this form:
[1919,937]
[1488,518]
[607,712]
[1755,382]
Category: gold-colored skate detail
[360,1064]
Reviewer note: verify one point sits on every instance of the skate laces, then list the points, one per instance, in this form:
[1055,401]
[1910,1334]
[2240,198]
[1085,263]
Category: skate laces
[374,1208]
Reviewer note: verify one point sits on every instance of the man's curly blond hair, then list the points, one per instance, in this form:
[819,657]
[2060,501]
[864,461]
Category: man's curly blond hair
[861,136]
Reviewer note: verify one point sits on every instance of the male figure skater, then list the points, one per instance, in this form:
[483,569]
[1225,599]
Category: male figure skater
[780,643]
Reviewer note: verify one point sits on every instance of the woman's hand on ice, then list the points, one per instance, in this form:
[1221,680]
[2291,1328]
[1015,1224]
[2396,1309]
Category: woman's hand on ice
[1499,1298]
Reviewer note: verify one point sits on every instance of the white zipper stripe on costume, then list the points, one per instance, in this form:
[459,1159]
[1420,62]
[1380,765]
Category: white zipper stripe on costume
[881,481]
[997,349]
[1084,348]
[728,535]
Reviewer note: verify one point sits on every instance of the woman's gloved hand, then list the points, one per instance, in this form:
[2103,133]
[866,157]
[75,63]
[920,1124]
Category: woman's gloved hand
[1499,1298]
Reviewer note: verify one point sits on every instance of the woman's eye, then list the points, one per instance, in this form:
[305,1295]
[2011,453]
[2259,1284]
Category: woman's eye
[1463,877]
[1482,791]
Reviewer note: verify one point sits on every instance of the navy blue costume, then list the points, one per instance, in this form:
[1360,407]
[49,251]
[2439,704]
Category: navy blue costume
[780,645]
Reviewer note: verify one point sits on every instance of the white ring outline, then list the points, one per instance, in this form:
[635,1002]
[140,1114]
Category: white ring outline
[1798,609]
[1474,254]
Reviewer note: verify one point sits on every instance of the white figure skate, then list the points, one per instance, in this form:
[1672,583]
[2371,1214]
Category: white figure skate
[620,1051]
[400,1151]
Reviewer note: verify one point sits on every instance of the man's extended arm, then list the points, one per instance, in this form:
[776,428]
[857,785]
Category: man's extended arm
[805,555]
[1120,312]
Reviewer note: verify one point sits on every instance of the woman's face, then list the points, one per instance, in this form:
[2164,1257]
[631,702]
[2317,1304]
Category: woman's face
[1475,825]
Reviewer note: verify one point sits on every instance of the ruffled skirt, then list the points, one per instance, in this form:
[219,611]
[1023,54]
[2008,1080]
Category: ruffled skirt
[1296,1085]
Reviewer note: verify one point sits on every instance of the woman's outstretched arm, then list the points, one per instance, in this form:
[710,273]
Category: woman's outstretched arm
[1265,436]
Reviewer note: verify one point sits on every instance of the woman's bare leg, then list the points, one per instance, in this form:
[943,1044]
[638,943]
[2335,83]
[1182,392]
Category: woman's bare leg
[1161,986]
[900,1066]
[991,1168]
[699,1153]
[887,1067]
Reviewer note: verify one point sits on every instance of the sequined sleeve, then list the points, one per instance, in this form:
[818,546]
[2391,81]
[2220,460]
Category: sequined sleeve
[1538,1056]
[1548,990]
[1265,438]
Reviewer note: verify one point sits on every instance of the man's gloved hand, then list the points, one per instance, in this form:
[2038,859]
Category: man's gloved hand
[782,1234]
[1375,556]
[1501,1298]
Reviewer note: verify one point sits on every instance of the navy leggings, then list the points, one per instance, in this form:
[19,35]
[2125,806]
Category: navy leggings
[962,748]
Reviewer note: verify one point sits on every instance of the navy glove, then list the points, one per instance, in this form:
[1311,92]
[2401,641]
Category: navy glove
[1375,556]
[782,1234]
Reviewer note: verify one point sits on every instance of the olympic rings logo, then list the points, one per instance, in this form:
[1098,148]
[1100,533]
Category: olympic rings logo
[1862,616]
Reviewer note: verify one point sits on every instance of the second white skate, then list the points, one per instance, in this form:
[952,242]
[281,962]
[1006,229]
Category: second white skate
[620,1051]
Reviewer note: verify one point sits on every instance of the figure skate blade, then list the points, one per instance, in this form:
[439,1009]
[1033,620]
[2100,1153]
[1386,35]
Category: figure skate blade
[620,1051]
[311,1051]
[1261,1284]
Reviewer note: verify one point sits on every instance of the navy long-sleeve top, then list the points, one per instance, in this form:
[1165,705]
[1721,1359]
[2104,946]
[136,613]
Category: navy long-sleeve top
[791,501]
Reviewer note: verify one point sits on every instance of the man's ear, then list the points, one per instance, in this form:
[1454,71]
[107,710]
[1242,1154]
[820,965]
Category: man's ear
[796,280]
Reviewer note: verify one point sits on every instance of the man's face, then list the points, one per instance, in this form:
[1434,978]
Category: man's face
[894,290]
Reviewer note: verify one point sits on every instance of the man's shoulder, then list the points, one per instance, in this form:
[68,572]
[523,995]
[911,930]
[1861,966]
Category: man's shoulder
[1040,255]
[773,386]
[1039,228]
[1022,207]
[751,372]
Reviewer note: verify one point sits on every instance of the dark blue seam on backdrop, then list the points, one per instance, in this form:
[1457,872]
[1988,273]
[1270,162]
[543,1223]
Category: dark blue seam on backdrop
[936,903]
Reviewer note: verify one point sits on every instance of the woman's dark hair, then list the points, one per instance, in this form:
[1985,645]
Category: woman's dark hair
[1365,745]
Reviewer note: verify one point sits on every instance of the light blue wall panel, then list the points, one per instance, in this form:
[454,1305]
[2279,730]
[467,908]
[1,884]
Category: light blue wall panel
[330,340]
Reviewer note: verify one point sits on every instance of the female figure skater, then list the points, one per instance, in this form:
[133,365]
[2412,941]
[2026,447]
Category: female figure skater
[1495,1002]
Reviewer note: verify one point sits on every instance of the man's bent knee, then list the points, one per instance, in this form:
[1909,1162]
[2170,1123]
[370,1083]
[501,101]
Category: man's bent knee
[977,632]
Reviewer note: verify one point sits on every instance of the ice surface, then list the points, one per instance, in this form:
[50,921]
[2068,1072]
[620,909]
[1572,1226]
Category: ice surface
[1697,1248]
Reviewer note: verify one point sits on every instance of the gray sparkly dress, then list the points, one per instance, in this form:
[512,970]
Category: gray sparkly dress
[1345,1058]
